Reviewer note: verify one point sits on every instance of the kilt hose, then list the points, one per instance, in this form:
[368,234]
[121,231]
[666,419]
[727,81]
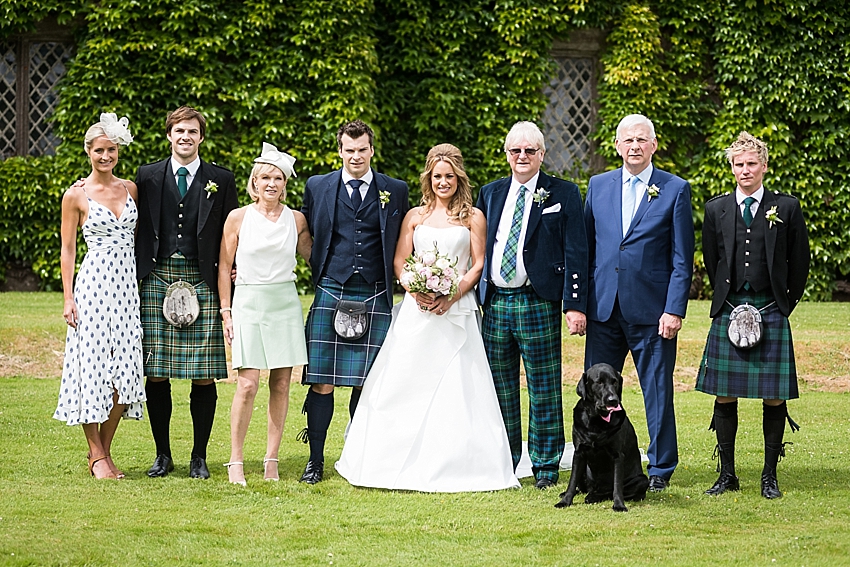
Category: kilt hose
[767,371]
[195,352]
[518,322]
[331,358]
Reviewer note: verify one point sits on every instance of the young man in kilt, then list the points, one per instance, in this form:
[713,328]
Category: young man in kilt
[183,203]
[535,268]
[354,215]
[756,252]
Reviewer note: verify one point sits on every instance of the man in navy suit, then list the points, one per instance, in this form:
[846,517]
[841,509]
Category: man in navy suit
[535,268]
[354,215]
[640,232]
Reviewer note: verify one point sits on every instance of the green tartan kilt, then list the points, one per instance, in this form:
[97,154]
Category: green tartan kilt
[195,352]
[332,359]
[767,371]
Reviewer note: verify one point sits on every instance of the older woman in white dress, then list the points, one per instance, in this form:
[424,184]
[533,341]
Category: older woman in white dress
[265,324]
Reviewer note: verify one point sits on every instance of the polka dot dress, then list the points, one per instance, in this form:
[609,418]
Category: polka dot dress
[104,353]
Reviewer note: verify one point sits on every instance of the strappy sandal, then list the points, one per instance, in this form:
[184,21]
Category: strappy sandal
[241,464]
[270,460]
[118,473]
[94,459]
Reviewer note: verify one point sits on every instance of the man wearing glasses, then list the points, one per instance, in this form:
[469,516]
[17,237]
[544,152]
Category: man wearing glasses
[535,269]
[641,237]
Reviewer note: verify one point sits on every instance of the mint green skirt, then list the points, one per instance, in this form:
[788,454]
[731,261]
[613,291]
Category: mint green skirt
[268,327]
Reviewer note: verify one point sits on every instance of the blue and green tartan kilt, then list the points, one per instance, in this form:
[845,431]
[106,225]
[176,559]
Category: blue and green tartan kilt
[331,358]
[195,352]
[767,371]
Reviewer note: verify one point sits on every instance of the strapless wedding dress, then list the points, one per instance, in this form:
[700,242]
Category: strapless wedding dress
[428,418]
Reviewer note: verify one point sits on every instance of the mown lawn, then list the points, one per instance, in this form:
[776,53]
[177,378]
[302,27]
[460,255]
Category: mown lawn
[52,513]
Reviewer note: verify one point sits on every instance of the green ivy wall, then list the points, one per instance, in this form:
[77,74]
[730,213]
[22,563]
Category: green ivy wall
[425,72]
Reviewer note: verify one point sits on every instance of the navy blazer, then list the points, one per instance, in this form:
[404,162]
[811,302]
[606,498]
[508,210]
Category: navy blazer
[786,244]
[651,268]
[212,212]
[320,198]
[555,247]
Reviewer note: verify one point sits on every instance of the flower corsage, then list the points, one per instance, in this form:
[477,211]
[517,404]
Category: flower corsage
[652,191]
[211,188]
[384,197]
[540,196]
[772,216]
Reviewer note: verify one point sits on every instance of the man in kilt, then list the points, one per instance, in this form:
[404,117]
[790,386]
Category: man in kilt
[183,203]
[354,215]
[535,268]
[756,252]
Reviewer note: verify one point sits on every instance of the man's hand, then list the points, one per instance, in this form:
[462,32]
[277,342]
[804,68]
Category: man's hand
[669,325]
[576,322]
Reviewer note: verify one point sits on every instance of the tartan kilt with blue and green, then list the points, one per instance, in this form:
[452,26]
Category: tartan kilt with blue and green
[195,352]
[331,358]
[767,371]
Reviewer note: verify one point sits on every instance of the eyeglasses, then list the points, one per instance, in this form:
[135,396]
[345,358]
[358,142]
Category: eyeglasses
[528,151]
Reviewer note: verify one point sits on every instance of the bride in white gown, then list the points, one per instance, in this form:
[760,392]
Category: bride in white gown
[428,417]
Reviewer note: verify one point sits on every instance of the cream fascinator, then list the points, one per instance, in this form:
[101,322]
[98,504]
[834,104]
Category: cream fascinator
[116,130]
[281,160]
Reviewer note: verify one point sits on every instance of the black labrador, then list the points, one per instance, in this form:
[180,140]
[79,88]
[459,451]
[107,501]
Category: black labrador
[606,461]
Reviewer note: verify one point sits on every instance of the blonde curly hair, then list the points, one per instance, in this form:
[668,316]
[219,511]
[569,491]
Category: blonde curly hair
[460,206]
[746,142]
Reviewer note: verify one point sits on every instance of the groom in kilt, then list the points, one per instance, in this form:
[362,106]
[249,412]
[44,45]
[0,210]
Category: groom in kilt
[535,268]
[183,203]
[756,252]
[354,215]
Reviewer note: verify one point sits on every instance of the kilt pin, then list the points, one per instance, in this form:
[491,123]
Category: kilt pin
[523,322]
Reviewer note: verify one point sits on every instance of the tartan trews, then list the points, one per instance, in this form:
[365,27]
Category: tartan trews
[195,352]
[518,323]
[767,371]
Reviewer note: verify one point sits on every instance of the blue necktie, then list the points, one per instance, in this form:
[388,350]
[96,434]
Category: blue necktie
[181,181]
[629,198]
[748,212]
[508,268]
[356,198]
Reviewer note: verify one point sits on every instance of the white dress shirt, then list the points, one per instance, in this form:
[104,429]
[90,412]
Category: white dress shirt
[758,196]
[366,179]
[192,167]
[640,189]
[504,229]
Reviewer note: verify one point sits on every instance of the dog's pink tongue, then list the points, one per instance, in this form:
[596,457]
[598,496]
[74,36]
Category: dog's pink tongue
[607,418]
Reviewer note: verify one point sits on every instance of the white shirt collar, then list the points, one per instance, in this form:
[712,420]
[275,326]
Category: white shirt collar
[644,175]
[192,167]
[531,185]
[758,195]
[366,179]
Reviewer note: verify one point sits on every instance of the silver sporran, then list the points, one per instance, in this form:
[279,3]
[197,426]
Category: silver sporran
[351,319]
[745,328]
[180,306]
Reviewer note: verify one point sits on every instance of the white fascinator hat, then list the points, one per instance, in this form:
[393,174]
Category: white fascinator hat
[281,160]
[115,129]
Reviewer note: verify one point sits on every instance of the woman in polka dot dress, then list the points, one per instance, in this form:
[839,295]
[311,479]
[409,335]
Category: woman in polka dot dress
[102,374]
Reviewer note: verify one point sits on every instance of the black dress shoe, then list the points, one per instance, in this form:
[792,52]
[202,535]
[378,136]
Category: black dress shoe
[657,483]
[198,468]
[726,481]
[769,487]
[543,483]
[162,465]
[313,472]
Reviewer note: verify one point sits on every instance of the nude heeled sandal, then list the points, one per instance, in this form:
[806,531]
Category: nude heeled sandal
[272,478]
[94,459]
[242,482]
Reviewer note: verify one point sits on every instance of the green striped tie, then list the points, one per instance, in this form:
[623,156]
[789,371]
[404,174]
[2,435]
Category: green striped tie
[508,269]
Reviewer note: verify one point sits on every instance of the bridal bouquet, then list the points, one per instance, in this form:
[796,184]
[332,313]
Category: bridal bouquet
[430,272]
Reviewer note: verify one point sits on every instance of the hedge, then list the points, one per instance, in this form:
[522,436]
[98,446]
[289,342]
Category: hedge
[424,72]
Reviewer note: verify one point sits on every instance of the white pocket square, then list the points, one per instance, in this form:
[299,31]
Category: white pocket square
[553,209]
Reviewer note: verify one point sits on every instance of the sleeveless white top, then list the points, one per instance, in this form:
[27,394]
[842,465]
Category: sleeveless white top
[266,250]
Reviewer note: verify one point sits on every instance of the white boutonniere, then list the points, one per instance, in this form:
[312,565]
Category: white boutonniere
[652,191]
[211,188]
[772,216]
[540,196]
[384,197]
